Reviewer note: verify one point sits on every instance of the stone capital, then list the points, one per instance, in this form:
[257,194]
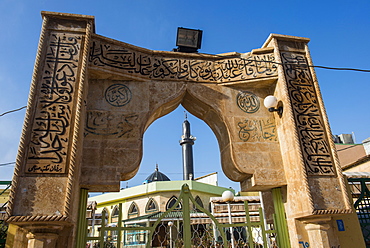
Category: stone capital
[42,240]
[317,221]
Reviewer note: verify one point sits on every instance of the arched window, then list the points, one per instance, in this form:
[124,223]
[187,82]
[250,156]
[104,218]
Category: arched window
[133,210]
[115,211]
[199,201]
[172,202]
[106,214]
[115,214]
[151,206]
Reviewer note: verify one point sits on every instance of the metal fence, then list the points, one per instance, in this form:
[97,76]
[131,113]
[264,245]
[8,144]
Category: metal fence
[196,227]
[3,224]
[361,195]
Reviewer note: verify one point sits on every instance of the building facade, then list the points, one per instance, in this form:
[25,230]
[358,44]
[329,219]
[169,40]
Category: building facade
[143,205]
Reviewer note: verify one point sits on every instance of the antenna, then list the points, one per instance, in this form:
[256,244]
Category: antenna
[185,115]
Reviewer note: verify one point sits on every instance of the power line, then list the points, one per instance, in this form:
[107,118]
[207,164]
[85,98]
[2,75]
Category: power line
[278,63]
[14,110]
[348,147]
[258,61]
[339,68]
[4,164]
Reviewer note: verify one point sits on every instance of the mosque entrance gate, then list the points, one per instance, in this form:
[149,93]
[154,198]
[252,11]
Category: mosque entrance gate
[92,98]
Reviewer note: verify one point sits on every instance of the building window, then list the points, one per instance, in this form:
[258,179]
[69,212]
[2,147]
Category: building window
[200,203]
[172,202]
[135,238]
[115,214]
[151,206]
[133,211]
[106,214]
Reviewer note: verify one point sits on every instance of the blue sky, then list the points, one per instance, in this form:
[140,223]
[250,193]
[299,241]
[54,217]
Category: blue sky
[339,38]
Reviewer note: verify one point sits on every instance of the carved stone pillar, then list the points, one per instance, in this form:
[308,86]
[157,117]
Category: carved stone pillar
[45,185]
[318,235]
[315,184]
[318,231]
[42,240]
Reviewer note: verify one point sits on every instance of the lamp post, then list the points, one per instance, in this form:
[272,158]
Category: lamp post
[170,224]
[228,196]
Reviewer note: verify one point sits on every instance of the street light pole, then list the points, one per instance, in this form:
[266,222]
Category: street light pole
[170,224]
[228,197]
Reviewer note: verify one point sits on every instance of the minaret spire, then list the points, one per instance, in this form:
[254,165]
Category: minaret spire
[187,142]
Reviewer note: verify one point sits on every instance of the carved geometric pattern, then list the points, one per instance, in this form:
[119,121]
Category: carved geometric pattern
[150,66]
[51,129]
[307,115]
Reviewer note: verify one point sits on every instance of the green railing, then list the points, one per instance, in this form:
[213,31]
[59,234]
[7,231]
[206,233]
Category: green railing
[361,193]
[280,219]
[187,233]
[3,225]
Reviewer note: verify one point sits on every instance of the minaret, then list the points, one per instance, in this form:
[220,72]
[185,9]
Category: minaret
[187,142]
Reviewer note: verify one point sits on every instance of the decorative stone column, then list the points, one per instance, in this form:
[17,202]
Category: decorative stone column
[318,235]
[315,184]
[318,231]
[42,240]
[45,187]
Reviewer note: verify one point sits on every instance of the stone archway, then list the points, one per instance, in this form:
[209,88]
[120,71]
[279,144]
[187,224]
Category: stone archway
[213,88]
[92,99]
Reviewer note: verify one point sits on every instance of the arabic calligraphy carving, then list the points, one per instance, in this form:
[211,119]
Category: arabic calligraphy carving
[109,123]
[248,102]
[51,129]
[308,117]
[118,95]
[150,66]
[257,130]
[46,168]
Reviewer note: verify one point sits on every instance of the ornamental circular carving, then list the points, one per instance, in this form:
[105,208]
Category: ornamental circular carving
[248,102]
[118,95]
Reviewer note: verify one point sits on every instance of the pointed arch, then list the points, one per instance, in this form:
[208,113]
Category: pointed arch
[151,206]
[199,201]
[172,202]
[106,211]
[203,109]
[115,211]
[107,214]
[133,210]
[115,214]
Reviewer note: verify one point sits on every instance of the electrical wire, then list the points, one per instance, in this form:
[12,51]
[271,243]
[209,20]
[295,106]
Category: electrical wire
[278,63]
[177,173]
[11,111]
[4,164]
[339,68]
[348,147]
[259,61]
